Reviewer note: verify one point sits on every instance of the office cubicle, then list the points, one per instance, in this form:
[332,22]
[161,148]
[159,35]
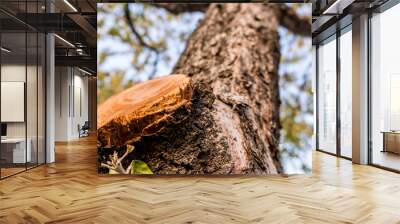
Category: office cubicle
[22,89]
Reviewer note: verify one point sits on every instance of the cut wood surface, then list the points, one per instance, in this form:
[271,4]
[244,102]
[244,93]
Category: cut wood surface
[142,109]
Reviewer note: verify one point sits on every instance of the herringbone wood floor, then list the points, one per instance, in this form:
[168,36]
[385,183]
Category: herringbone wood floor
[70,191]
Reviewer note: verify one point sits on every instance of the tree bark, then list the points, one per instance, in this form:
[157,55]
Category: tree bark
[235,51]
[232,125]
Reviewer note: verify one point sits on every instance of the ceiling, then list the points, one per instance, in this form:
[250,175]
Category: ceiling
[74,22]
[330,15]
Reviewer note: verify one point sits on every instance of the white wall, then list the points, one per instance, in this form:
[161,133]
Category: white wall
[62,81]
[33,127]
[71,102]
[12,73]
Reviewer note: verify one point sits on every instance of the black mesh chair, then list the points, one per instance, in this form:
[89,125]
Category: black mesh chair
[84,130]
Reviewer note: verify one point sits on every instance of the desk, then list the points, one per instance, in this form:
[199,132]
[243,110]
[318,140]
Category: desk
[391,141]
[15,148]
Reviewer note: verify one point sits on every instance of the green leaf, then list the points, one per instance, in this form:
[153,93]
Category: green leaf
[113,32]
[130,148]
[140,167]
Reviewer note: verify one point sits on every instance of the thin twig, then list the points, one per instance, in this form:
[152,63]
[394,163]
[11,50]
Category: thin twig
[135,32]
[115,163]
[141,40]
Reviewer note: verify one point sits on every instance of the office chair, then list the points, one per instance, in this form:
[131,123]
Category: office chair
[84,130]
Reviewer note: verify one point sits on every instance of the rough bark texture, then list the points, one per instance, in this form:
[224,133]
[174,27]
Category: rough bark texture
[194,146]
[235,52]
[232,124]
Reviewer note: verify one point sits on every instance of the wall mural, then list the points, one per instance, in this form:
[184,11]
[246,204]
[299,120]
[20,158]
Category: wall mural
[204,88]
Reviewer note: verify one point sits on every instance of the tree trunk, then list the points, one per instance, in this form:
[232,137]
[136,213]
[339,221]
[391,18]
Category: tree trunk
[232,124]
[236,52]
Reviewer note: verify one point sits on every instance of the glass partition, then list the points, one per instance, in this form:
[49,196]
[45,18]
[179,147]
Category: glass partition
[41,96]
[13,94]
[22,88]
[327,96]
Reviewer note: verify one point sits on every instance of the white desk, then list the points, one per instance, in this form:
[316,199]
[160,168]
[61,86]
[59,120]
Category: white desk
[19,149]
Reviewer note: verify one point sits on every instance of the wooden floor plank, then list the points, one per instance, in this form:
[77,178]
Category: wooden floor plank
[71,191]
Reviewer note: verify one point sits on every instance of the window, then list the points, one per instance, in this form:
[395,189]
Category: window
[385,89]
[327,96]
[346,93]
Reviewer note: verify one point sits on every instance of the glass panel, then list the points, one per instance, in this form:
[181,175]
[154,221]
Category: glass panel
[22,88]
[32,88]
[385,86]
[13,87]
[31,98]
[345,94]
[327,97]
[41,99]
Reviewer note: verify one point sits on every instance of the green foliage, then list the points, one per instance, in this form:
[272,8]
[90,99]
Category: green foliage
[293,128]
[140,167]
